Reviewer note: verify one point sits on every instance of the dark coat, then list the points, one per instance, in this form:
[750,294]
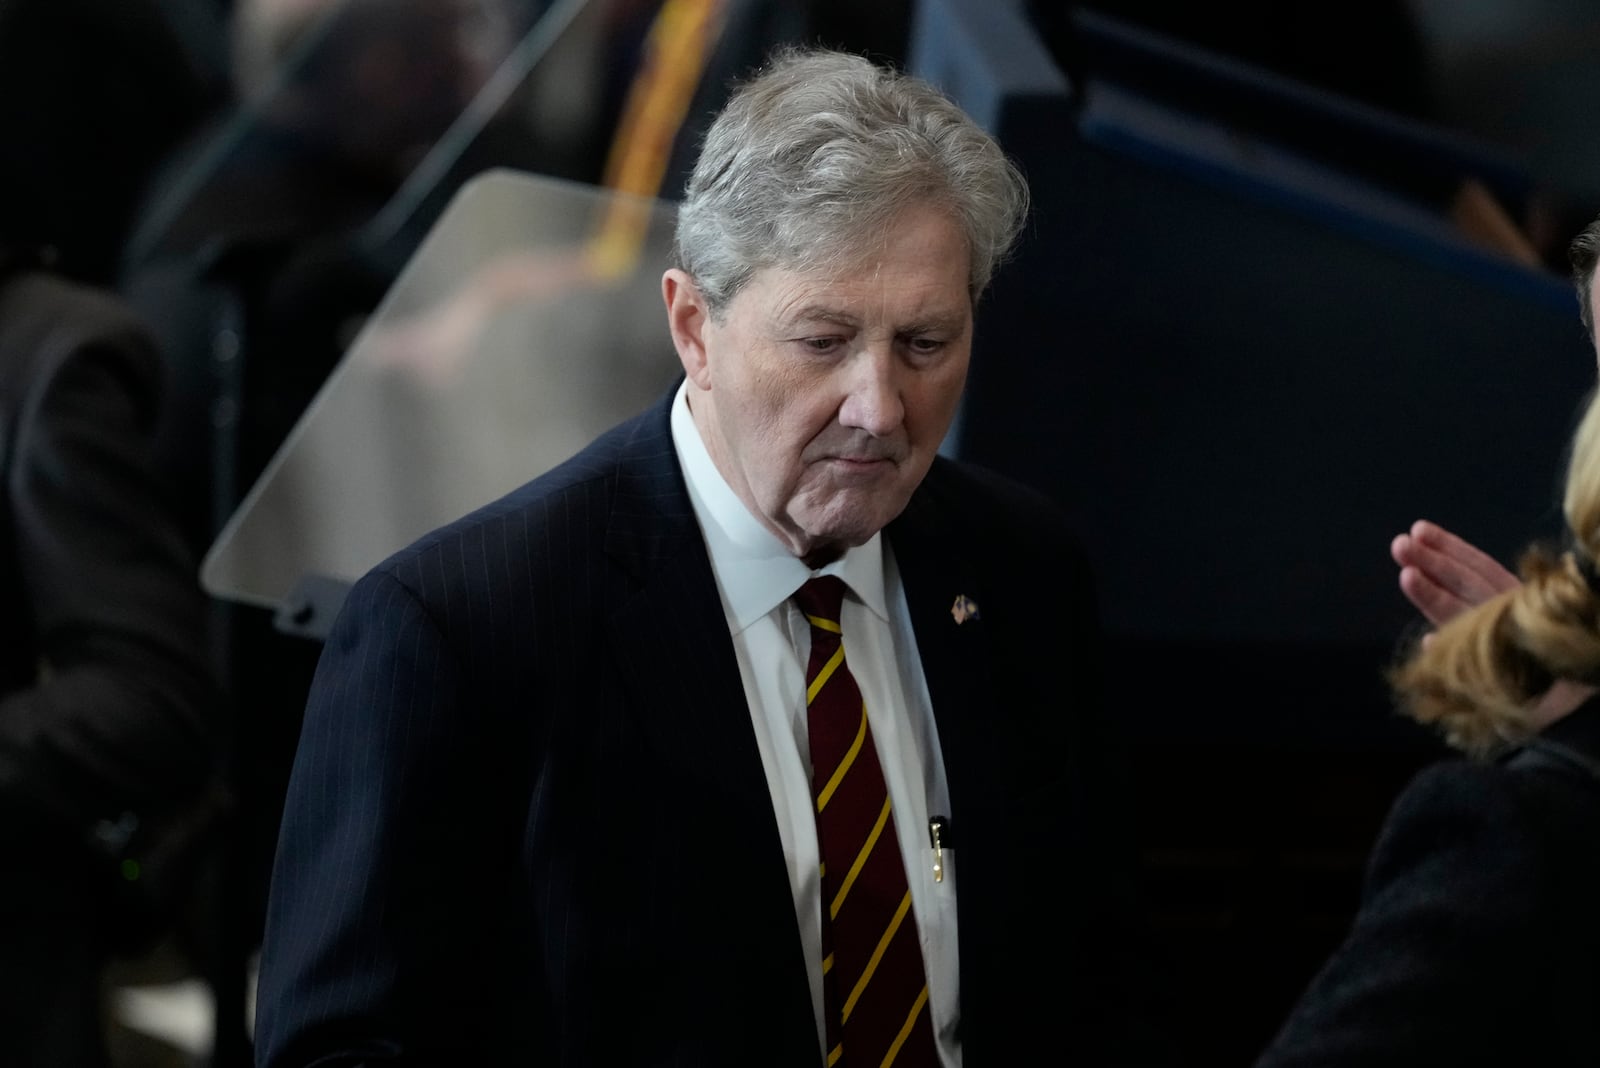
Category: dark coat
[107,702]
[1478,937]
[108,712]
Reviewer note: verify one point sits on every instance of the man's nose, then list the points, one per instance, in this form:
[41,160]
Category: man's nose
[873,399]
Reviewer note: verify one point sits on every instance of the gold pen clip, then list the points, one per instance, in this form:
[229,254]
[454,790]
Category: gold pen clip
[936,836]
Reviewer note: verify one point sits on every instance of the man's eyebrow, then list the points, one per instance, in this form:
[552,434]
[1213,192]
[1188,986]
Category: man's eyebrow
[817,313]
[953,323]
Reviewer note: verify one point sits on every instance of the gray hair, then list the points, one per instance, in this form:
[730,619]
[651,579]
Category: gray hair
[822,151]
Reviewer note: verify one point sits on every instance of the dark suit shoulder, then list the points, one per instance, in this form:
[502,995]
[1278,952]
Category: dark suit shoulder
[95,311]
[1018,538]
[569,500]
[993,513]
[49,323]
[960,482]
[1477,940]
[1516,831]
[527,578]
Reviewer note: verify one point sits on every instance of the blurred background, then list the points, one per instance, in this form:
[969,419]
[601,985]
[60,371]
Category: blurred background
[1296,276]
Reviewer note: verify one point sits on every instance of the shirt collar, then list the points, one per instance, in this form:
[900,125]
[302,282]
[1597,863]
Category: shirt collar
[754,570]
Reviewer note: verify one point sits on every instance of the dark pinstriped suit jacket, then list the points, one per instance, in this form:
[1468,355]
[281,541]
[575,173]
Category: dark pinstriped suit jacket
[528,822]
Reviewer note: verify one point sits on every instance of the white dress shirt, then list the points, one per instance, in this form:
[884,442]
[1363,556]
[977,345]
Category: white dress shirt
[756,577]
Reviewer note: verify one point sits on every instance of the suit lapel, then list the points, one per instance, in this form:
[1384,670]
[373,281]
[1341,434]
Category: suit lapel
[956,656]
[960,662]
[672,634]
[681,675]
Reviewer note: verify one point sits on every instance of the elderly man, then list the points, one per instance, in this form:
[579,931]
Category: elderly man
[757,733]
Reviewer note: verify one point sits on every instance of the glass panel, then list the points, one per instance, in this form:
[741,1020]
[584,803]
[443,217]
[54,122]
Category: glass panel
[529,322]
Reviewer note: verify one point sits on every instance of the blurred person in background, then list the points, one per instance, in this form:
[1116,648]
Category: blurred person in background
[110,721]
[336,102]
[109,716]
[251,233]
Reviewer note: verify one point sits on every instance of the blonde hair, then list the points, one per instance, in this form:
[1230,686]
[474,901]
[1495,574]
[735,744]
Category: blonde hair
[1479,675]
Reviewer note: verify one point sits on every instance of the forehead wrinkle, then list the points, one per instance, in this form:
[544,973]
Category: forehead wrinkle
[818,312]
[807,299]
[854,296]
[933,322]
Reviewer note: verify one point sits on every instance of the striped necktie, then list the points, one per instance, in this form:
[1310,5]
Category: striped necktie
[875,991]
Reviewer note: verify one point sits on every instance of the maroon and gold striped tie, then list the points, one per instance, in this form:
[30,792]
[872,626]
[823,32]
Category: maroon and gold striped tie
[875,989]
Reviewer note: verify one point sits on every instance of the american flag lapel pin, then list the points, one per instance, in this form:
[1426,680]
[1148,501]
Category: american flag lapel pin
[964,609]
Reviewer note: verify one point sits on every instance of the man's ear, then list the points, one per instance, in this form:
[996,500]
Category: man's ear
[687,318]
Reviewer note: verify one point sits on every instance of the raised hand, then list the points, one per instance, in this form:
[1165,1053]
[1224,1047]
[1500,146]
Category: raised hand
[1442,574]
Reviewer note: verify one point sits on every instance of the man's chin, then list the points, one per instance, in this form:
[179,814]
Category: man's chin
[845,529]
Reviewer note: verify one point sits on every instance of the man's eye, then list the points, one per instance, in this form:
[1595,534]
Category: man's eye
[925,346]
[821,344]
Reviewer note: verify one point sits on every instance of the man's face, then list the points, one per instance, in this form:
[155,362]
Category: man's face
[823,397]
